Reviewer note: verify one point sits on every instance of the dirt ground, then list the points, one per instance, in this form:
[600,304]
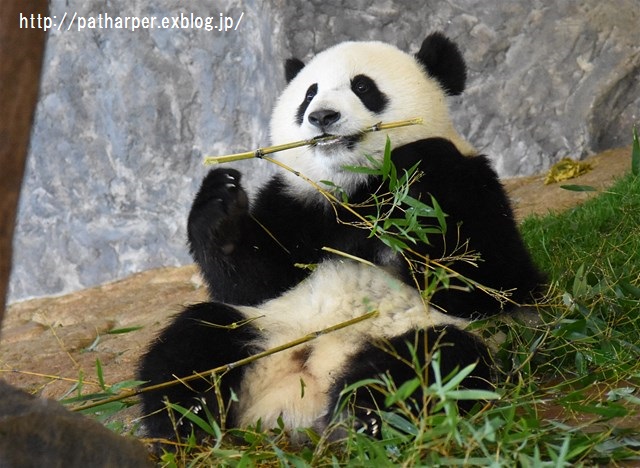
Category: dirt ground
[47,343]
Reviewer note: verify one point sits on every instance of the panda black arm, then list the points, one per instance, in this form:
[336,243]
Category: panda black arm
[247,256]
[478,211]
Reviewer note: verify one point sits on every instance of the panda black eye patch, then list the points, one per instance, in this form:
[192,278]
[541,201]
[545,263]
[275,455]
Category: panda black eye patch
[369,93]
[308,97]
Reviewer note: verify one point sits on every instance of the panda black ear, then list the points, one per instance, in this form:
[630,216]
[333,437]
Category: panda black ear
[443,61]
[292,67]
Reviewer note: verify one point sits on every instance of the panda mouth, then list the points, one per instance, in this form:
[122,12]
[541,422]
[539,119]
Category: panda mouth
[329,141]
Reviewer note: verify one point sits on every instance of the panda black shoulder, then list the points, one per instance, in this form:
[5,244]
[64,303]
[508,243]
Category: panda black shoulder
[466,187]
[441,161]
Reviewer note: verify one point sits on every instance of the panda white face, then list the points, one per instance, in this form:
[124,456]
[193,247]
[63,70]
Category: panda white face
[345,89]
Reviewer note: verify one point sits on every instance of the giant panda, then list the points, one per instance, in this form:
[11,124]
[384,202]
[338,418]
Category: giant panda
[252,254]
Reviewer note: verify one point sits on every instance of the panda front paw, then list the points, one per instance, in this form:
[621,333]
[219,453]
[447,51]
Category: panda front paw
[216,213]
[222,187]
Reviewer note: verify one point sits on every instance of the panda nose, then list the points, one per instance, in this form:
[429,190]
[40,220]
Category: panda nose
[323,118]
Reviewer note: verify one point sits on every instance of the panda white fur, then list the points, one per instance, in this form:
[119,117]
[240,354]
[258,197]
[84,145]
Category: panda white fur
[250,255]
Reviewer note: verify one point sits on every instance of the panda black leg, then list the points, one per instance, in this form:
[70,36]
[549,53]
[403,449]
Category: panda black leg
[457,347]
[199,339]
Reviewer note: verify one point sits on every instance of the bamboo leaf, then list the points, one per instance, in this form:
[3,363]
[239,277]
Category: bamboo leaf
[611,410]
[579,188]
[404,392]
[635,153]
[118,331]
[473,395]
[100,375]
[454,380]
[388,168]
[397,421]
[194,418]
[358,170]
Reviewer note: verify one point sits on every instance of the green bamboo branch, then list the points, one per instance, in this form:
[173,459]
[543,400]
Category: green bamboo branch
[227,367]
[261,152]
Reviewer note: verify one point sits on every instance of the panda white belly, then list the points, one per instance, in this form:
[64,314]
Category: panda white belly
[293,384]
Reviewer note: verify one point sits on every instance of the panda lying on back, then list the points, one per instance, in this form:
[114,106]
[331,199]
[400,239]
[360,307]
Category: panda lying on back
[250,254]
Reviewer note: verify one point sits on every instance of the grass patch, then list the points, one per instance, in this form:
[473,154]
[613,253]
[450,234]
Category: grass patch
[603,234]
[592,256]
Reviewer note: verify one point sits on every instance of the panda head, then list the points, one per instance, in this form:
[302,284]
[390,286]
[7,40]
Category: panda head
[354,85]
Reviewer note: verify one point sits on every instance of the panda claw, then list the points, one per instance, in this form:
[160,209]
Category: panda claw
[368,422]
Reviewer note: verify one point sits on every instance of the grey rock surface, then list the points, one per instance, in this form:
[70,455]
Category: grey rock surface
[125,116]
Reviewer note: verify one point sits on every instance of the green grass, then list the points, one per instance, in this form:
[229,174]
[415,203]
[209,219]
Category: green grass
[602,234]
[592,256]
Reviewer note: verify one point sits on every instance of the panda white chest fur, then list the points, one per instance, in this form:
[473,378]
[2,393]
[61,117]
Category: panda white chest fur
[295,384]
[250,254]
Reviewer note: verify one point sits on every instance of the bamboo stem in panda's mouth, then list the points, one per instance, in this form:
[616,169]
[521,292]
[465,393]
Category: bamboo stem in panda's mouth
[260,152]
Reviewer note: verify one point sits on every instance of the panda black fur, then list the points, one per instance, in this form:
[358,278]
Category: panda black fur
[250,254]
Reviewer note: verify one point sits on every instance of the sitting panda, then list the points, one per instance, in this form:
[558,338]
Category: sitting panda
[250,254]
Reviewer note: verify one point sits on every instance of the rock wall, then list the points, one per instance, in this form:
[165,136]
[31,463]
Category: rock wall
[125,116]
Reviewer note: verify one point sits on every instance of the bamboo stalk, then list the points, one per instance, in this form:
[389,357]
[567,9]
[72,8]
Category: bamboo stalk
[260,152]
[242,362]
